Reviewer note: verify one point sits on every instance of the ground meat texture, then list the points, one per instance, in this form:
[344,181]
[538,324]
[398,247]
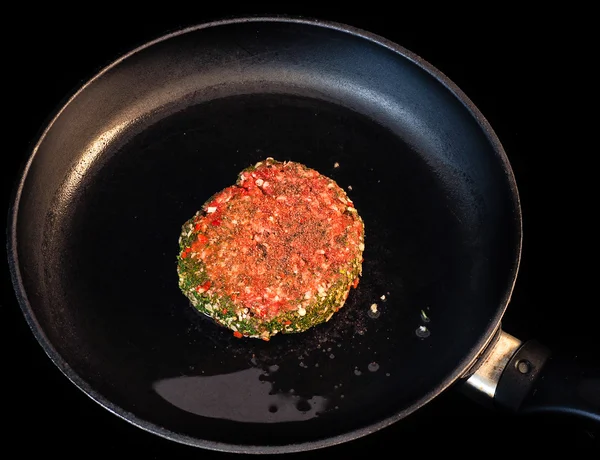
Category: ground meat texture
[277,252]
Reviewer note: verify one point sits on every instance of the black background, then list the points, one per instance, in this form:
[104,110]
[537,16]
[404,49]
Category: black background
[526,74]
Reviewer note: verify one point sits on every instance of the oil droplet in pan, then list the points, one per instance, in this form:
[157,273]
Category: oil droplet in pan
[373,312]
[373,367]
[422,332]
[303,406]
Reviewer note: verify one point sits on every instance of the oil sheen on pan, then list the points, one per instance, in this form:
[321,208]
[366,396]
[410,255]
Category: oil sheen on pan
[278,251]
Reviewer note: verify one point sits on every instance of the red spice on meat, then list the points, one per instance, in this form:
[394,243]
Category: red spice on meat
[276,237]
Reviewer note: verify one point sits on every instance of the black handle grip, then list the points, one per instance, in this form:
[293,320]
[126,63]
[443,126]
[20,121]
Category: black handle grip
[536,382]
[567,388]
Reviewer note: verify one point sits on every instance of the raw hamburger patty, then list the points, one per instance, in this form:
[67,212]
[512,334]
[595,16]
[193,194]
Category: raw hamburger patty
[277,252]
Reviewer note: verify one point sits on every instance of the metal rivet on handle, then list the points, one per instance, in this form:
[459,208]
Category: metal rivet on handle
[523,366]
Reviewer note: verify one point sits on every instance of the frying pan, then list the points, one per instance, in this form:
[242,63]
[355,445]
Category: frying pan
[95,220]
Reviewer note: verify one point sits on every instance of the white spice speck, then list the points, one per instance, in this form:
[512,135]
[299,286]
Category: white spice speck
[382,297]
[336,165]
[374,308]
[349,187]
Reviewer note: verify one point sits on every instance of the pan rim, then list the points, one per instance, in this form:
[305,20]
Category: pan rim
[468,361]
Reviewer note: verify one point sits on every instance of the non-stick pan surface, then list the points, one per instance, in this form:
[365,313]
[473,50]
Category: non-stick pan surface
[93,236]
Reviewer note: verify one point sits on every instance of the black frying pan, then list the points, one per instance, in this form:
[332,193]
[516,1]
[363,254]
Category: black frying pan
[95,222]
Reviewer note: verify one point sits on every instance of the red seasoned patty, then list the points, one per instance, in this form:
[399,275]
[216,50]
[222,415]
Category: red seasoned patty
[278,251]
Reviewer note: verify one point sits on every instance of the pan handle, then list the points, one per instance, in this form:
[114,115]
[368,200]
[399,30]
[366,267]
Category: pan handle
[526,378]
